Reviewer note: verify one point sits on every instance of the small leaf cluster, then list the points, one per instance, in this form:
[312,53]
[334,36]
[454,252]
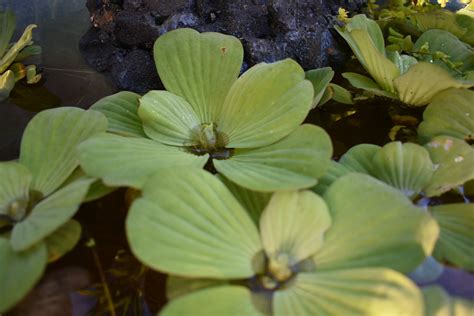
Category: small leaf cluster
[13,54]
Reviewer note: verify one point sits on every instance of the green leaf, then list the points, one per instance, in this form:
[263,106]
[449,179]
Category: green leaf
[168,119]
[7,82]
[178,286]
[340,94]
[121,110]
[361,22]
[14,186]
[7,27]
[48,147]
[252,201]
[27,52]
[335,171]
[403,62]
[382,70]
[268,102]
[187,223]
[446,42]
[19,272]
[416,87]
[359,158]
[63,240]
[407,167]
[25,39]
[127,161]
[370,227]
[49,215]
[365,83]
[201,68]
[362,291]
[453,159]
[229,300]
[293,226]
[450,113]
[320,78]
[439,303]
[294,162]
[456,241]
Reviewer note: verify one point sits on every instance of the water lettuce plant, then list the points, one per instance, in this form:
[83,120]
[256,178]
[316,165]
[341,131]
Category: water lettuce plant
[247,127]
[305,255]
[438,302]
[395,75]
[37,200]
[11,55]
[419,172]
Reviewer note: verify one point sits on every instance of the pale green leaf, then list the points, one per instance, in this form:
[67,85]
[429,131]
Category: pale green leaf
[121,110]
[361,22]
[27,52]
[320,78]
[252,201]
[178,286]
[15,182]
[49,215]
[127,161]
[439,303]
[201,68]
[407,167]
[168,119]
[294,162]
[7,27]
[370,227]
[63,240]
[446,42]
[340,94]
[403,62]
[19,272]
[382,70]
[456,241]
[187,223]
[355,292]
[293,225]
[229,300]
[453,160]
[25,39]
[359,158]
[335,171]
[48,147]
[416,86]
[265,104]
[365,83]
[7,82]
[451,113]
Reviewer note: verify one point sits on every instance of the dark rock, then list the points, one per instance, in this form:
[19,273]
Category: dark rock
[98,49]
[136,28]
[166,8]
[270,30]
[135,71]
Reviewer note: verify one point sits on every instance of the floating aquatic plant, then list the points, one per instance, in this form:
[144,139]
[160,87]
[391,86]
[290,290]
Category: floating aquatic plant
[395,75]
[248,127]
[442,164]
[37,201]
[11,55]
[305,255]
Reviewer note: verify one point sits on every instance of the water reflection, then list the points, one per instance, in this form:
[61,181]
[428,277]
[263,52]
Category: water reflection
[68,80]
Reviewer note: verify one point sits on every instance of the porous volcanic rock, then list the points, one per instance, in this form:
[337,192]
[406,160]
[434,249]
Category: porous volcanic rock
[124,30]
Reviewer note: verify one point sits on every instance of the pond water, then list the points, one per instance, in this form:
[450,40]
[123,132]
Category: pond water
[69,81]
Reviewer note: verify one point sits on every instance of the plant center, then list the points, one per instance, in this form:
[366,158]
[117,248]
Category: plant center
[278,272]
[19,208]
[210,141]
